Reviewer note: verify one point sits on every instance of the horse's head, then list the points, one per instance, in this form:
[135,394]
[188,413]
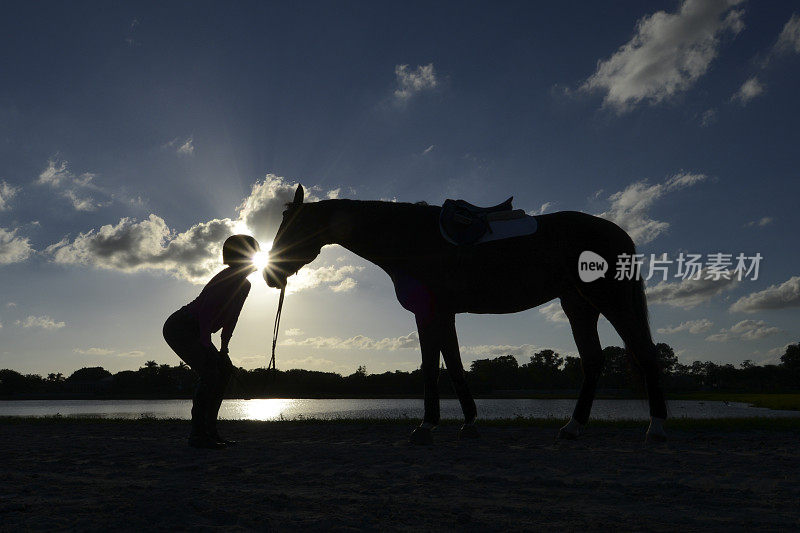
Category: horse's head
[297,243]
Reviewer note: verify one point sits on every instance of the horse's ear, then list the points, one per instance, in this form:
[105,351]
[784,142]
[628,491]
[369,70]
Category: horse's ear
[298,195]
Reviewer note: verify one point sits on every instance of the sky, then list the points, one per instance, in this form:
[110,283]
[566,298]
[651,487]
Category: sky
[136,136]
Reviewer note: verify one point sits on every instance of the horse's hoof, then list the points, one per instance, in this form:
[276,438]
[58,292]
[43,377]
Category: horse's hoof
[468,431]
[421,436]
[563,434]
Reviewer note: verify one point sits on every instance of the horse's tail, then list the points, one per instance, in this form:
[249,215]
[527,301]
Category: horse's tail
[639,306]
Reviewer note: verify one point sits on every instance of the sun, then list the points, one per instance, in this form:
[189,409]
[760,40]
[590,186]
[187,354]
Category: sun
[260,260]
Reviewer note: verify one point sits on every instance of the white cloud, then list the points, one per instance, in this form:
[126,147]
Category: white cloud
[629,207]
[668,53]
[263,208]
[694,327]
[58,176]
[55,173]
[359,342]
[131,246]
[689,293]
[7,192]
[749,90]
[708,118]
[429,149]
[43,322]
[338,278]
[94,351]
[763,221]
[789,39]
[523,351]
[187,148]
[293,332]
[11,304]
[554,313]
[782,296]
[748,330]
[106,351]
[542,208]
[13,249]
[195,254]
[411,82]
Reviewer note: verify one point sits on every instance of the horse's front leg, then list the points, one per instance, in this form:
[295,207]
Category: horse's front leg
[430,344]
[452,358]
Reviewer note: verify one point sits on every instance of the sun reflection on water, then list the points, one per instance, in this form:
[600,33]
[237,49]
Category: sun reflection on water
[261,409]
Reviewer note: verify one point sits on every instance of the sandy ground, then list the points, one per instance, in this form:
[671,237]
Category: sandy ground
[318,476]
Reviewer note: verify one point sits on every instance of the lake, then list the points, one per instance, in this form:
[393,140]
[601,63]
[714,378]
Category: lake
[330,409]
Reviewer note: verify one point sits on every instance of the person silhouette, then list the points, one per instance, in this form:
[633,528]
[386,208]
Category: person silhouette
[188,332]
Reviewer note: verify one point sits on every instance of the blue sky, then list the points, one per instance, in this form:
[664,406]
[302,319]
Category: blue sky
[135,136]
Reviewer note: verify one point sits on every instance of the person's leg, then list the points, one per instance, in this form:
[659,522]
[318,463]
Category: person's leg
[182,334]
[223,375]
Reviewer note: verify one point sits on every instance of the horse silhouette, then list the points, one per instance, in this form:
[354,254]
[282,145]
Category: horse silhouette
[435,280]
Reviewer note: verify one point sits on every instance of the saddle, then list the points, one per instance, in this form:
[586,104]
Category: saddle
[463,223]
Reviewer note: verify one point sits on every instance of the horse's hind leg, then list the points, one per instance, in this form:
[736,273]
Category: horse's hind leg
[430,342]
[452,358]
[583,321]
[632,325]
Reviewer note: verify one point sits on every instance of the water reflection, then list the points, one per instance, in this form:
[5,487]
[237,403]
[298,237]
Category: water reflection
[291,409]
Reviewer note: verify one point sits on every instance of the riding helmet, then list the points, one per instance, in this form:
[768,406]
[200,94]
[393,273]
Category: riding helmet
[239,249]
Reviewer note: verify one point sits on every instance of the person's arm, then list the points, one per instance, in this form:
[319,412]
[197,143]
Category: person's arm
[233,317]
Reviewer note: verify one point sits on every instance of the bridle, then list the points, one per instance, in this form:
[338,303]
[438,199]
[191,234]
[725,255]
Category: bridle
[275,331]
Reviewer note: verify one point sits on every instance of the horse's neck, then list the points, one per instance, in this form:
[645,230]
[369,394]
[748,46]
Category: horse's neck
[380,234]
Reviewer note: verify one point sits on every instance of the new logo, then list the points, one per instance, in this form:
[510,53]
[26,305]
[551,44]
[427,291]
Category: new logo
[591,266]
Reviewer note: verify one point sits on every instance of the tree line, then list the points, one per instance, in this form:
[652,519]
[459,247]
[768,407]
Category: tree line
[546,371]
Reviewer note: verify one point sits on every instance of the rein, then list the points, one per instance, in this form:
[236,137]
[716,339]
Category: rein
[275,331]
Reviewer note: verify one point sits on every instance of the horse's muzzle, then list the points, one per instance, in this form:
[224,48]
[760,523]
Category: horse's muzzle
[273,279]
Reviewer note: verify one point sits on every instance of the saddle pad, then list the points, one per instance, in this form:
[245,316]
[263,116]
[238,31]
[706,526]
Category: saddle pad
[505,229]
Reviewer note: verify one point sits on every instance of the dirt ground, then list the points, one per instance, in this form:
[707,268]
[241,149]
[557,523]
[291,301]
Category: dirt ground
[357,476]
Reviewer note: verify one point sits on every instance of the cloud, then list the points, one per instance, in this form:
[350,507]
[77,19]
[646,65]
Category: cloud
[763,221]
[429,149]
[668,53]
[94,351]
[689,293]
[782,296]
[195,254]
[542,208]
[263,208]
[708,118]
[749,90]
[411,82]
[13,249]
[43,322]
[523,351]
[694,327]
[55,173]
[131,246]
[748,330]
[629,207]
[359,342]
[293,332]
[73,187]
[7,192]
[187,148]
[336,277]
[554,313]
[106,351]
[11,304]
[789,39]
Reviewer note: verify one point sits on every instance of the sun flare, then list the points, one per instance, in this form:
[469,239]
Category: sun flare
[260,260]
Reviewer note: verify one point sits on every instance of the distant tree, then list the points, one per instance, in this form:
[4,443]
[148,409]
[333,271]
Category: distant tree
[791,357]
[55,378]
[747,364]
[546,360]
[94,373]
[667,359]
